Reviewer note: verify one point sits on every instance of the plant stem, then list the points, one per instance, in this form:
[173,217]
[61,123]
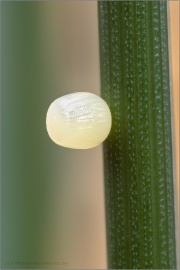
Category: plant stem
[138,152]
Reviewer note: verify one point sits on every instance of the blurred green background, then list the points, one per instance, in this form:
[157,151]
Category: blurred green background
[52,212]
[52,197]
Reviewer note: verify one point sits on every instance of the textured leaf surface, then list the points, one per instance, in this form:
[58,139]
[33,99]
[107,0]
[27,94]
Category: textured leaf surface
[138,152]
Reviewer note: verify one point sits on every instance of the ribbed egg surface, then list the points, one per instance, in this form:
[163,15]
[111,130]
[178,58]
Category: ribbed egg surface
[79,120]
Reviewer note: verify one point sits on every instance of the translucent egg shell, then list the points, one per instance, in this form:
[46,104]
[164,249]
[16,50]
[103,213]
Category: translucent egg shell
[79,120]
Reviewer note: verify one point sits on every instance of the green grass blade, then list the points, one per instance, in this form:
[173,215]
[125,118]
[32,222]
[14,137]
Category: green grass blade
[138,152]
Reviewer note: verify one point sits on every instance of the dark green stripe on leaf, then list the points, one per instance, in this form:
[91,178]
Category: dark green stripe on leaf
[138,152]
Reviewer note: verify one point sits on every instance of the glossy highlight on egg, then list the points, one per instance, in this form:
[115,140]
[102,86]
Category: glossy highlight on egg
[80,120]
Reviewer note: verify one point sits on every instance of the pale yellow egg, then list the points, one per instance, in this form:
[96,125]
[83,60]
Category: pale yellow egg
[79,120]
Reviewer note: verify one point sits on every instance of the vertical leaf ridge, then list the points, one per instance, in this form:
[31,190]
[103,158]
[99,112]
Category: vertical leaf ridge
[138,153]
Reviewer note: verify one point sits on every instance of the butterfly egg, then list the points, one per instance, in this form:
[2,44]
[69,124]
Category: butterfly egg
[79,120]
